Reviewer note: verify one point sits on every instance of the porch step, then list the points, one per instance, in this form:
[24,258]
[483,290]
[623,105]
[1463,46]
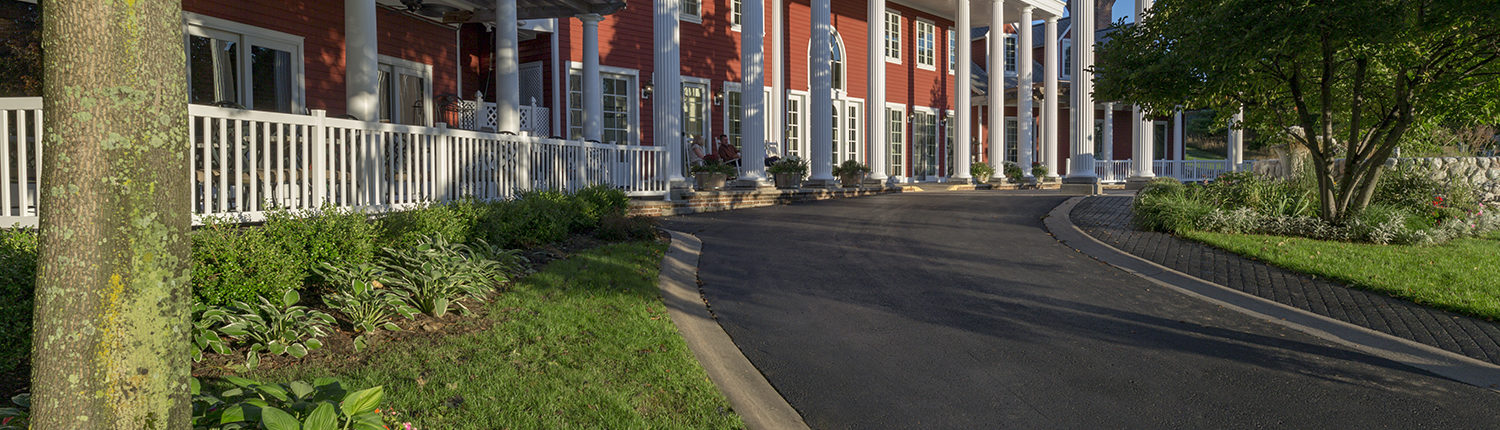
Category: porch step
[940,186]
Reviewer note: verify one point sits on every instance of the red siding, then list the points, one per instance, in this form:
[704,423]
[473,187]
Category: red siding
[415,39]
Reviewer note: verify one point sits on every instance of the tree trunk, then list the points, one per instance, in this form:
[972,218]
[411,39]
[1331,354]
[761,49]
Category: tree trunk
[110,342]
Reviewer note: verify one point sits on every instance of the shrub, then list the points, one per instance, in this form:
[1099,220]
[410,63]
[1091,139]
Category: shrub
[276,327]
[981,171]
[1264,194]
[534,219]
[17,290]
[621,228]
[1165,206]
[240,264]
[713,165]
[1415,190]
[850,167]
[436,274]
[456,220]
[1014,172]
[789,165]
[240,403]
[1242,220]
[331,235]
[1038,170]
[599,201]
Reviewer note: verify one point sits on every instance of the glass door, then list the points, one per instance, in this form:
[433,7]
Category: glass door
[924,142]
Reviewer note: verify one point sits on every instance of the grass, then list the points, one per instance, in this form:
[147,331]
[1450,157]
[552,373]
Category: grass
[584,343]
[1461,276]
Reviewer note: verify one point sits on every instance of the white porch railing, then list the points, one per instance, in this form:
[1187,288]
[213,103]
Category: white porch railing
[1112,171]
[476,115]
[244,162]
[1190,170]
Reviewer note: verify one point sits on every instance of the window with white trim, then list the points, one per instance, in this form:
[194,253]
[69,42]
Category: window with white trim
[794,126]
[1011,136]
[690,10]
[895,132]
[924,139]
[952,52]
[949,137]
[618,112]
[1010,54]
[735,8]
[405,91]
[893,36]
[734,113]
[1065,60]
[242,65]
[926,45]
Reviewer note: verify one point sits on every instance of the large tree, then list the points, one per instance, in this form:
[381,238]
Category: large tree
[1362,72]
[110,341]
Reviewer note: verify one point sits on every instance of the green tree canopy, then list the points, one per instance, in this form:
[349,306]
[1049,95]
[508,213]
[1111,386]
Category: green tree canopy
[1362,71]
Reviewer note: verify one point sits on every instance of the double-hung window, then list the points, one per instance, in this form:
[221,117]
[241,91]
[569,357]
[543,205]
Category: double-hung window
[690,10]
[736,8]
[893,36]
[895,133]
[734,113]
[1065,54]
[405,91]
[1010,54]
[238,65]
[926,45]
[952,52]
[617,112]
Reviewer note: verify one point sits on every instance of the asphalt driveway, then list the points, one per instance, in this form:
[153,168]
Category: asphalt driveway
[959,310]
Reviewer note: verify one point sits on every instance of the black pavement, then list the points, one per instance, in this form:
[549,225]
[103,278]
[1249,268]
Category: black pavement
[958,310]
[1108,219]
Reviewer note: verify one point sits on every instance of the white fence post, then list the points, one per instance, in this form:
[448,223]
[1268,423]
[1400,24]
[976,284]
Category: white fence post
[319,162]
[440,165]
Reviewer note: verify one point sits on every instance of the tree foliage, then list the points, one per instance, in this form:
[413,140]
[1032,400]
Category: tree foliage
[21,47]
[1363,72]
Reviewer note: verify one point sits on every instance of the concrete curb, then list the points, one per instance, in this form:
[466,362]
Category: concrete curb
[1432,359]
[751,395]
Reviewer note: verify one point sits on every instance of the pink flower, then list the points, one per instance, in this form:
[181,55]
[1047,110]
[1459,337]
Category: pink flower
[408,426]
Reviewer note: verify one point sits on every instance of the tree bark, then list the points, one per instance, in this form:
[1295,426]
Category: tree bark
[110,341]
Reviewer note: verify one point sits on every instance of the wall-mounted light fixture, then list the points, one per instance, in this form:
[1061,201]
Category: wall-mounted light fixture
[719,98]
[646,91]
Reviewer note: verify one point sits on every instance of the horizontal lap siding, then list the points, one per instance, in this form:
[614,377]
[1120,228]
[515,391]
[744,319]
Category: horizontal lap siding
[625,41]
[319,23]
[415,39]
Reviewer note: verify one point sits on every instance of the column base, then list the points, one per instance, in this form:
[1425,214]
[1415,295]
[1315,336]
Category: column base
[1084,186]
[1138,182]
[751,184]
[960,181]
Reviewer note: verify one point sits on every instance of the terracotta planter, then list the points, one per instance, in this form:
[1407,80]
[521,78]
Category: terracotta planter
[710,181]
[981,178]
[851,181]
[788,181]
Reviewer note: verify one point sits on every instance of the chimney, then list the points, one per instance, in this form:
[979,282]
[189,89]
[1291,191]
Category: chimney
[1103,13]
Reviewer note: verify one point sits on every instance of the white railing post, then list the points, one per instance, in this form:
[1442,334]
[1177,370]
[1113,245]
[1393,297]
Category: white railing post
[319,162]
[440,165]
[524,178]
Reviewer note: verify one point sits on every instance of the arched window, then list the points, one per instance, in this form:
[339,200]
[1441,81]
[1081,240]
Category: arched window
[836,66]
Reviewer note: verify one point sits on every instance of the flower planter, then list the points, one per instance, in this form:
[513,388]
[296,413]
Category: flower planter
[982,178]
[851,181]
[710,181]
[788,181]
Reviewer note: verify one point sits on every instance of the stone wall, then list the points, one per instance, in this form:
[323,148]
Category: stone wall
[1483,173]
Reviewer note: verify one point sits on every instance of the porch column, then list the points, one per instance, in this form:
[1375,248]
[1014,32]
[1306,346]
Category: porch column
[1026,131]
[1177,135]
[997,85]
[1237,140]
[964,87]
[1049,98]
[593,92]
[666,98]
[875,106]
[776,109]
[1081,178]
[752,97]
[361,60]
[820,101]
[1143,149]
[1107,142]
[507,68]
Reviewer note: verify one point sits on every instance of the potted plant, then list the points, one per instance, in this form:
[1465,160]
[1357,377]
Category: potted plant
[1014,173]
[981,172]
[788,172]
[1038,171]
[850,173]
[712,173]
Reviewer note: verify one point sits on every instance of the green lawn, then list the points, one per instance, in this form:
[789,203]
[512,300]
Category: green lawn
[1462,276]
[1194,153]
[584,343]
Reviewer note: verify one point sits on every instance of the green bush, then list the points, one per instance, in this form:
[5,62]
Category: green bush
[456,220]
[1416,191]
[17,285]
[621,228]
[981,171]
[241,264]
[340,237]
[1165,206]
[1263,194]
[535,218]
[1014,172]
[600,201]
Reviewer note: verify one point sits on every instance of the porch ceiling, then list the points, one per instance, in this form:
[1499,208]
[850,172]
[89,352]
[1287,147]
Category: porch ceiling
[484,11]
[979,12]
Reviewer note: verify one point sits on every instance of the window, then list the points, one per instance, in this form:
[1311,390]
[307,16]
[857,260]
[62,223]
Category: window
[735,7]
[241,65]
[836,63]
[1010,54]
[895,130]
[924,140]
[1159,140]
[952,52]
[1066,60]
[405,91]
[948,147]
[926,45]
[851,131]
[695,98]
[618,108]
[734,113]
[1099,139]
[794,126]
[893,36]
[691,10]
[1010,136]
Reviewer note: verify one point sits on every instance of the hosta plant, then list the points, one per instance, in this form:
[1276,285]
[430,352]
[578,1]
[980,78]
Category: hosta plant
[369,308]
[17,416]
[277,328]
[206,321]
[436,274]
[239,403]
[341,276]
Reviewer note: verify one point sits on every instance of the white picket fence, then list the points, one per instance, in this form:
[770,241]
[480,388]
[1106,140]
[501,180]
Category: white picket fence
[476,115]
[1112,171]
[1190,170]
[245,162]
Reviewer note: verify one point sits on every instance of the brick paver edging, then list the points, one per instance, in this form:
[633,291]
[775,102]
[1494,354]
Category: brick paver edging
[1108,220]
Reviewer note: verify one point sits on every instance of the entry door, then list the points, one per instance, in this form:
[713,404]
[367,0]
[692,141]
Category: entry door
[924,143]
[847,131]
[695,113]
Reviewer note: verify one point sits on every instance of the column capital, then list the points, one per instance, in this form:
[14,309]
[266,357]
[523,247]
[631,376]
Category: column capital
[1051,20]
[590,18]
[1026,10]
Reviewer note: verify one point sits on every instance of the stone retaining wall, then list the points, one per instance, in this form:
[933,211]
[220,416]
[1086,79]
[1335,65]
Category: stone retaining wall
[1483,173]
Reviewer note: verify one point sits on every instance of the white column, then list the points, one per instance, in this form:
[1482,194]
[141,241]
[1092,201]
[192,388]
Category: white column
[997,85]
[1237,140]
[1108,140]
[1177,135]
[361,60]
[1026,131]
[776,109]
[1144,138]
[752,99]
[875,105]
[593,92]
[507,68]
[666,103]
[820,101]
[1081,159]
[1049,99]
[965,90]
